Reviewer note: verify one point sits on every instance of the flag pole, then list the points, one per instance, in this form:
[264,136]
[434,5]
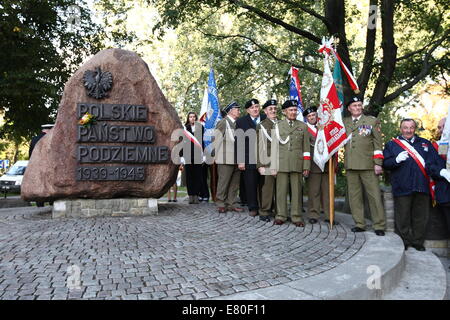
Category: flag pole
[331,186]
[213,168]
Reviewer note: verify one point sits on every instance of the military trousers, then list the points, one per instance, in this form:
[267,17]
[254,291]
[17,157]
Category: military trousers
[267,195]
[411,216]
[356,179]
[227,185]
[318,189]
[282,184]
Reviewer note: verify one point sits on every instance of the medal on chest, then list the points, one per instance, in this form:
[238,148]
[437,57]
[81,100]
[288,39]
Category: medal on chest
[365,130]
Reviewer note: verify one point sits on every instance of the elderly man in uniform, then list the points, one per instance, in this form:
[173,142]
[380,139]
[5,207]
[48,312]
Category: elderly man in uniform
[318,183]
[266,167]
[251,176]
[410,158]
[293,160]
[227,170]
[363,164]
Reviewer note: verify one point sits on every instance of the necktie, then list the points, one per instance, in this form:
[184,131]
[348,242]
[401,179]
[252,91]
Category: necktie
[255,121]
[355,121]
[290,123]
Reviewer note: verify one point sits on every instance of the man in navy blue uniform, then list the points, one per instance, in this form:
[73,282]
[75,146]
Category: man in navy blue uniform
[250,173]
[410,159]
[441,176]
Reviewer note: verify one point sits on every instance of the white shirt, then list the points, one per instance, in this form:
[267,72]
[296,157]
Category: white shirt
[257,119]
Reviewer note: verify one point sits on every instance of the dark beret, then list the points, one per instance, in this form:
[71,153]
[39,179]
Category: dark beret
[309,110]
[251,102]
[289,103]
[353,99]
[271,102]
[232,105]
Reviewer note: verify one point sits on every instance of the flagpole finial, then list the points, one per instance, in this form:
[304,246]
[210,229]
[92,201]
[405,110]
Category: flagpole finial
[211,60]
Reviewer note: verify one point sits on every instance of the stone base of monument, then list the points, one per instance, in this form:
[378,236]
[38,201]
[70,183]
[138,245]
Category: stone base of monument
[84,208]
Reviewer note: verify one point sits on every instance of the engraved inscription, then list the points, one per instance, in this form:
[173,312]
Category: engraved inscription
[122,173]
[113,112]
[115,154]
[113,133]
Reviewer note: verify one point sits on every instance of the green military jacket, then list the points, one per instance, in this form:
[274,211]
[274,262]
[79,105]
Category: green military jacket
[294,154]
[264,145]
[364,149]
[225,148]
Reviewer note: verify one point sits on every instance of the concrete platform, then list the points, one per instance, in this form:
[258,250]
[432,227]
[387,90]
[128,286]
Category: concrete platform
[191,252]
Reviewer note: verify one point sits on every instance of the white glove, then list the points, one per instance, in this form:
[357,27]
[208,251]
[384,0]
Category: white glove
[402,156]
[182,160]
[445,173]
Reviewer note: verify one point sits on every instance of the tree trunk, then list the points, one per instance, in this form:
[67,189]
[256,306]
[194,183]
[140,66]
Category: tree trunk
[335,13]
[389,57]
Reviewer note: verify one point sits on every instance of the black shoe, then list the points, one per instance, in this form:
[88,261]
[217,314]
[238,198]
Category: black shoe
[358,229]
[336,223]
[312,221]
[379,232]
[264,218]
[419,247]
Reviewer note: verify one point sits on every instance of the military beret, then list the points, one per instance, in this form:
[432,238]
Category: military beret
[353,99]
[289,103]
[271,102]
[232,105]
[251,102]
[309,110]
[47,126]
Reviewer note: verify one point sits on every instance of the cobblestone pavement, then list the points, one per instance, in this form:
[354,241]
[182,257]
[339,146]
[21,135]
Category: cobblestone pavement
[186,252]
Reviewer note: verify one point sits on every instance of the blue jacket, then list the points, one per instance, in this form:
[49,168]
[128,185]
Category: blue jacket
[406,176]
[442,188]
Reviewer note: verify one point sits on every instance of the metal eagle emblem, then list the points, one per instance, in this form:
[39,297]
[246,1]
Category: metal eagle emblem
[97,83]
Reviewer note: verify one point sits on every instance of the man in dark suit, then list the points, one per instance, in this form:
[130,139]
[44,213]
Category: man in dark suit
[45,129]
[247,160]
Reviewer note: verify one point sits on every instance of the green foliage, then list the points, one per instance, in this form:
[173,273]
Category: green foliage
[38,53]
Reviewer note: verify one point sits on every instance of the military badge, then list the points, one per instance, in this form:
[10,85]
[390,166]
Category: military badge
[364,130]
[425,147]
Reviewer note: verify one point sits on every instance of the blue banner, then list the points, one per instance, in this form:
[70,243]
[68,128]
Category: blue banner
[213,114]
[295,93]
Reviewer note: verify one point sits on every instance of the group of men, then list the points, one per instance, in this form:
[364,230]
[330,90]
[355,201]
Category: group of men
[284,150]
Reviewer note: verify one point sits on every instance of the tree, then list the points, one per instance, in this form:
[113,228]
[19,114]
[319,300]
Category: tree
[41,44]
[413,45]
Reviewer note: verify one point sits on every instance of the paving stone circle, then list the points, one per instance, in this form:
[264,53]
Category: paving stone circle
[186,252]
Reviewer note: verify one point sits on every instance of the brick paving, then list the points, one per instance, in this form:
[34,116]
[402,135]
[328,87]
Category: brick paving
[185,252]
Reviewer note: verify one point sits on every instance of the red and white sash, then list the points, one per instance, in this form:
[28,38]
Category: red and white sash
[419,161]
[193,139]
[313,130]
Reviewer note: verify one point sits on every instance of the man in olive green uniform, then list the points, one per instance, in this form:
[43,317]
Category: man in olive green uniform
[227,170]
[363,160]
[293,161]
[266,167]
[318,181]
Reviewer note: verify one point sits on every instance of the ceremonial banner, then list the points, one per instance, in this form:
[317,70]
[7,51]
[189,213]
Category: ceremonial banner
[331,133]
[204,109]
[295,92]
[337,78]
[213,114]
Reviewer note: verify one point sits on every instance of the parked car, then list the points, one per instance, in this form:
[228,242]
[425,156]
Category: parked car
[12,179]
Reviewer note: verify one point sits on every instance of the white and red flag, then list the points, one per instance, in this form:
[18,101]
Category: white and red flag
[204,109]
[331,133]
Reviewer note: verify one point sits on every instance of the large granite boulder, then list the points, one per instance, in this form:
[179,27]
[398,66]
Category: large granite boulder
[125,153]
